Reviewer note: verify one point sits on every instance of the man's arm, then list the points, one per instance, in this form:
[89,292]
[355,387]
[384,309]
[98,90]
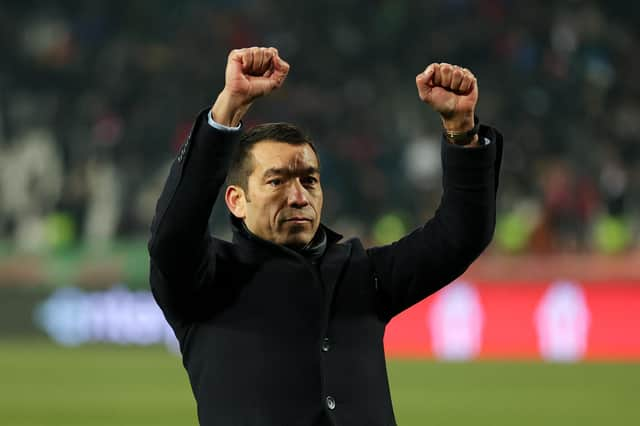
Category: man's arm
[182,262]
[432,256]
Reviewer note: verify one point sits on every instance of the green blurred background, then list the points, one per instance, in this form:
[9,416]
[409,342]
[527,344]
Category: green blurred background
[104,386]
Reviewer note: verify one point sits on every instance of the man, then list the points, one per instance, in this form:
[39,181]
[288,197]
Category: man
[284,325]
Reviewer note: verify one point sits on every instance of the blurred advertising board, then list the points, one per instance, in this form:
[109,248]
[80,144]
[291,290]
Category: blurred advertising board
[72,316]
[559,321]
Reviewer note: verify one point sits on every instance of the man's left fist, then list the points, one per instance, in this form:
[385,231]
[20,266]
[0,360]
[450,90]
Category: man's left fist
[452,91]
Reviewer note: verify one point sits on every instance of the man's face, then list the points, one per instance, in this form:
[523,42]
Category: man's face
[284,196]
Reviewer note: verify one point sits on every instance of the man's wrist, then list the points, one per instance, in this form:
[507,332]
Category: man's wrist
[219,126]
[227,111]
[466,137]
[462,123]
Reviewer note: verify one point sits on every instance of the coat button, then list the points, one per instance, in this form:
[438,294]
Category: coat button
[331,403]
[326,345]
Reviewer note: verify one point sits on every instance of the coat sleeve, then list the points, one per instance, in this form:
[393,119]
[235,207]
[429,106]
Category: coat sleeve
[432,256]
[180,247]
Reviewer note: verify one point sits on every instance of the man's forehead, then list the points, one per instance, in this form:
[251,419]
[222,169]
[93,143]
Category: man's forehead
[271,154]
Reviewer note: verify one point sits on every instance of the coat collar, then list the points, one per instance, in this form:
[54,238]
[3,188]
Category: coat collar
[249,241]
[330,265]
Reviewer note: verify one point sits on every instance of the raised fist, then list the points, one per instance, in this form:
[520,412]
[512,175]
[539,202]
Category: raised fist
[452,91]
[250,73]
[254,72]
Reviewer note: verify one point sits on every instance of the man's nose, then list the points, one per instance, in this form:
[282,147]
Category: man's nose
[297,195]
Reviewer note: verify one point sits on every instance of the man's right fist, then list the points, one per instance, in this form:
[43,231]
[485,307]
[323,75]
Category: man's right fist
[250,73]
[254,72]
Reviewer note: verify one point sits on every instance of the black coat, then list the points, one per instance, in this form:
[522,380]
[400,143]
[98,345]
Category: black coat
[267,337]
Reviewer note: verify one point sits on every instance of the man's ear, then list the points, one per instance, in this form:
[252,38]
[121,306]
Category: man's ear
[236,201]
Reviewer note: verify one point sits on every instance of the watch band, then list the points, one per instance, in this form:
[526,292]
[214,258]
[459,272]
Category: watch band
[464,138]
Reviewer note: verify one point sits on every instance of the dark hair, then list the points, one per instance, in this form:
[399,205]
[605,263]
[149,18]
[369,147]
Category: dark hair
[241,165]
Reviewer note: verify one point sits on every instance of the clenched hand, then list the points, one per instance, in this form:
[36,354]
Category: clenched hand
[250,74]
[452,91]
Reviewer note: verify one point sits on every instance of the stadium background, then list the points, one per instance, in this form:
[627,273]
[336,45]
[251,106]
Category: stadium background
[96,97]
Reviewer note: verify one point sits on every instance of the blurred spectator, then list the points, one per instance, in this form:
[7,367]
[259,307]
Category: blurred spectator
[31,178]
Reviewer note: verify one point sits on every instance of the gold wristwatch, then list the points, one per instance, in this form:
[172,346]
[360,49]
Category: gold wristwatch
[464,138]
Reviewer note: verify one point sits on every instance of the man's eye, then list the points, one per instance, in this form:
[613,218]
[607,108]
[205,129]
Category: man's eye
[309,180]
[274,182]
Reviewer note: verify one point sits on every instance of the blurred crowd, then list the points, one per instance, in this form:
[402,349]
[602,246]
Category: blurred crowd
[97,97]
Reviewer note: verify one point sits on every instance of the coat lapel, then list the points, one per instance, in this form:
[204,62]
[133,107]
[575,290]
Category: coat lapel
[332,267]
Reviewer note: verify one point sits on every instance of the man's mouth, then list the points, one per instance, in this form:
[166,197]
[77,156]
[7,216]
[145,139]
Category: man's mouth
[298,219]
